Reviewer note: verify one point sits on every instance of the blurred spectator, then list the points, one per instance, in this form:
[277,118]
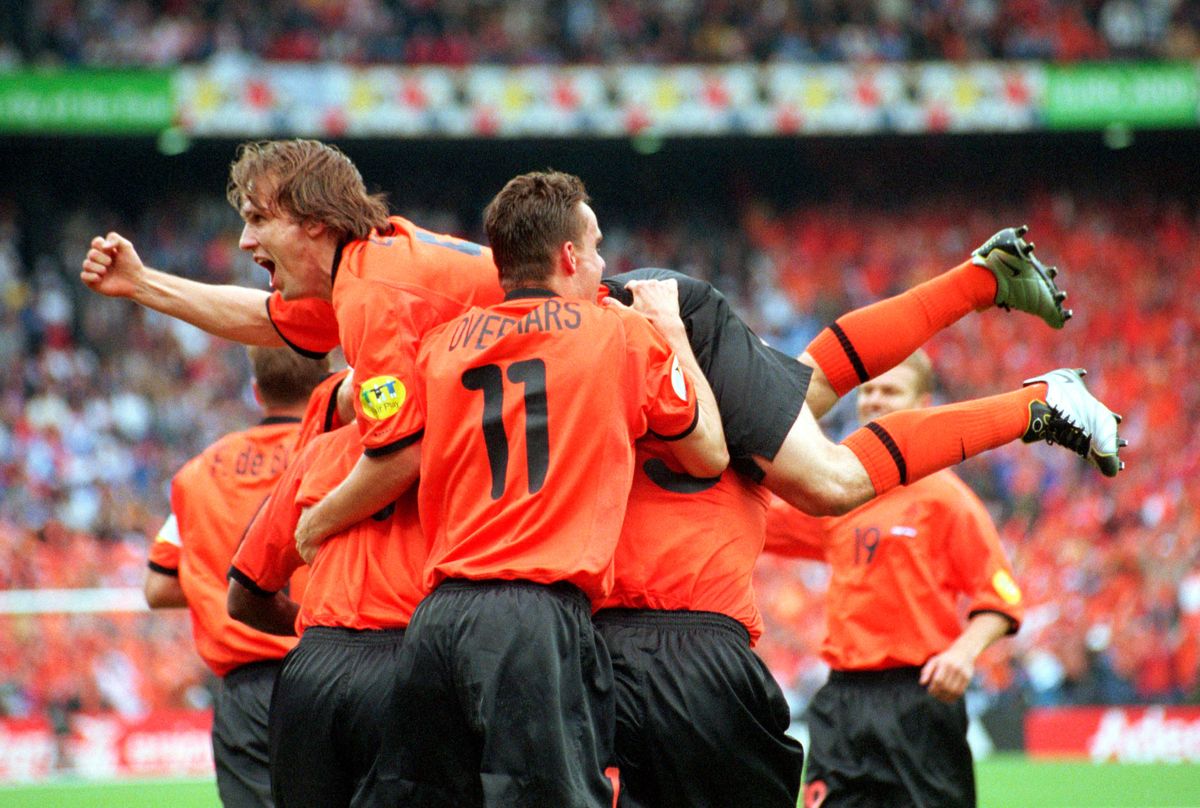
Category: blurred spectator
[167,32]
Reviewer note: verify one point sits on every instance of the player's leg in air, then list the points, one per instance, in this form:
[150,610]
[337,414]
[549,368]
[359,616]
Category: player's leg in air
[820,477]
[866,342]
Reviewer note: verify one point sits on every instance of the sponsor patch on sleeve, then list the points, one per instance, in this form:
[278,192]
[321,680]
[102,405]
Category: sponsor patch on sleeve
[678,382]
[1006,587]
[382,397]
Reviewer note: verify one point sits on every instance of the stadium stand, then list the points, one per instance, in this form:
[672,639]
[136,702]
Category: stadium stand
[102,402]
[168,32]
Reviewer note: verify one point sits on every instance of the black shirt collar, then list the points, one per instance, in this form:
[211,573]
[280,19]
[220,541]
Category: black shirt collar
[279,419]
[337,261]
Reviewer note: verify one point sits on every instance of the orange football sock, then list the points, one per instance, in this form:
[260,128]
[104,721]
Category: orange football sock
[902,447]
[868,341]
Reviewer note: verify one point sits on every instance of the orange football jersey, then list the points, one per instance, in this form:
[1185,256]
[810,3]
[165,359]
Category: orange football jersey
[366,577]
[689,543]
[900,565]
[529,411]
[321,414]
[388,291]
[213,498]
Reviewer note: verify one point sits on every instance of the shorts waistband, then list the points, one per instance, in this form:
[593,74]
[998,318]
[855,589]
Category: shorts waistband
[340,635]
[252,669]
[568,591]
[883,676]
[673,619]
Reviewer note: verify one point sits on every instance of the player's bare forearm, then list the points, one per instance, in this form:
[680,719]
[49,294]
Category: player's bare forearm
[983,629]
[273,614]
[112,267]
[702,453]
[372,485]
[948,674]
[235,313]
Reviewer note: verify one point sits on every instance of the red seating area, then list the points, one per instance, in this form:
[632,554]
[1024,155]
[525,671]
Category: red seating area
[167,32]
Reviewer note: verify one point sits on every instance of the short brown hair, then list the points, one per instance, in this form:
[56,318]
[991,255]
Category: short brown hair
[531,217]
[284,377]
[311,182]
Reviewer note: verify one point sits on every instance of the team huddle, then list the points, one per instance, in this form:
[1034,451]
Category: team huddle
[516,537]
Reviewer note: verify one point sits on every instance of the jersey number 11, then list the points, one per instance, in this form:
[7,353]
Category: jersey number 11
[531,374]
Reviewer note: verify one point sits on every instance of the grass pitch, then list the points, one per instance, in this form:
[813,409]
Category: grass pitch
[1004,782]
[1016,782]
[126,794]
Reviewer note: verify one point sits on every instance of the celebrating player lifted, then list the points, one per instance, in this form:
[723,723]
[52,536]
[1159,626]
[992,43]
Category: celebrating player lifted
[528,395]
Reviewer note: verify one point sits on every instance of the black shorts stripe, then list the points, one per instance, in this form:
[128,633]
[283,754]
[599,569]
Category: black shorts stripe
[674,619]
[161,570]
[1013,623]
[892,448]
[851,353]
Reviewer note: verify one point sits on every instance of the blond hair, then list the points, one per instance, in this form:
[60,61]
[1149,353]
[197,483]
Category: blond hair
[923,376]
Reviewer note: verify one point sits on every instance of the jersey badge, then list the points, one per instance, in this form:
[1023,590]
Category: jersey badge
[169,532]
[678,382]
[382,397]
[1006,587]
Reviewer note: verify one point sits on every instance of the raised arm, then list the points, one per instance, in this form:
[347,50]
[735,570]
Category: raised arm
[113,268]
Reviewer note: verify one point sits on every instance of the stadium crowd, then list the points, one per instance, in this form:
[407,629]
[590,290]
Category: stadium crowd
[103,401]
[167,32]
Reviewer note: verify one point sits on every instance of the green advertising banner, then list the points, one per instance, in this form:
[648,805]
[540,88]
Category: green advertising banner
[85,102]
[1135,95]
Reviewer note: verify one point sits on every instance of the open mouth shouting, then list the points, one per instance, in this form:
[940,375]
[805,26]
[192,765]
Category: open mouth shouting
[268,265]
